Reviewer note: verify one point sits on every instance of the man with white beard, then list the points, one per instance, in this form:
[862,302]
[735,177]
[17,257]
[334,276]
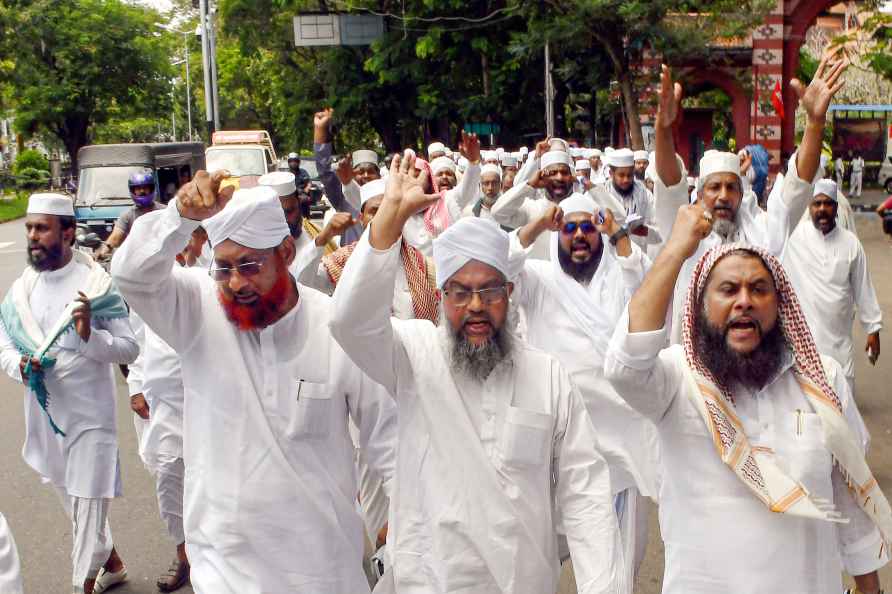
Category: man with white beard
[737,216]
[494,439]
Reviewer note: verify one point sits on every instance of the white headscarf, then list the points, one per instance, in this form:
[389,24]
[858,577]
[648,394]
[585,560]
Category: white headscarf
[253,218]
[470,238]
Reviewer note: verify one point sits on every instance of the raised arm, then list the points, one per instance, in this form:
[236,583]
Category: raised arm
[670,185]
[511,206]
[165,296]
[361,321]
[531,165]
[322,150]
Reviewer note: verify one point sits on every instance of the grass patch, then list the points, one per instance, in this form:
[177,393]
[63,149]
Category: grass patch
[13,207]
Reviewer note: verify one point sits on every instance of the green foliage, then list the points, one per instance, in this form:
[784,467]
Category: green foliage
[30,159]
[83,61]
[13,208]
[31,178]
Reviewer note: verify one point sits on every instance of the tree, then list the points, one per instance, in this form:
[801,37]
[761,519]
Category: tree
[84,60]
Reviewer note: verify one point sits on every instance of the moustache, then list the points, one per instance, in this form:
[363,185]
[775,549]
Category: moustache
[742,322]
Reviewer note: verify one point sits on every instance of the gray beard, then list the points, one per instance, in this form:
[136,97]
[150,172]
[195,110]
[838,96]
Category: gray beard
[724,228]
[476,361]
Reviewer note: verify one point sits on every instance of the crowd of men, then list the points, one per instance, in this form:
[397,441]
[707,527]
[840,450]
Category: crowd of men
[479,366]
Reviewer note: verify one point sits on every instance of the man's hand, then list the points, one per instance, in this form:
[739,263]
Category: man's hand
[587,183]
[551,220]
[542,147]
[322,126]
[469,147]
[746,161]
[609,226]
[536,182]
[873,347]
[35,366]
[669,99]
[202,197]
[81,317]
[344,171]
[139,405]
[403,197]
[815,99]
[692,224]
[340,222]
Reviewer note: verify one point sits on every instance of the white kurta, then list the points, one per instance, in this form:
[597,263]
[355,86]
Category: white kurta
[719,537]
[10,567]
[831,277]
[82,392]
[769,229]
[156,374]
[628,440]
[270,496]
[482,467]
[415,231]
[640,202]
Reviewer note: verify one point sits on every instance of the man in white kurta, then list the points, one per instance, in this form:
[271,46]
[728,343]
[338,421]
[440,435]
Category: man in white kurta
[572,305]
[82,465]
[752,499]
[720,186]
[270,494]
[487,461]
[857,176]
[828,267]
[10,566]
[638,203]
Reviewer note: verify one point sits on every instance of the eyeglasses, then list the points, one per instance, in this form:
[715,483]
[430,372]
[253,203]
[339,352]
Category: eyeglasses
[245,269]
[585,226]
[489,296]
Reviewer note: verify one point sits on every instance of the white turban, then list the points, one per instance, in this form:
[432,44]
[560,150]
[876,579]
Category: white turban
[827,187]
[595,153]
[370,190]
[365,156]
[577,202]
[253,218]
[490,168]
[441,163]
[621,158]
[582,165]
[641,156]
[470,238]
[51,204]
[435,147]
[555,158]
[282,182]
[719,162]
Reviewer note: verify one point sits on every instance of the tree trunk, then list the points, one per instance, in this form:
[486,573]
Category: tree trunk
[73,134]
[615,51]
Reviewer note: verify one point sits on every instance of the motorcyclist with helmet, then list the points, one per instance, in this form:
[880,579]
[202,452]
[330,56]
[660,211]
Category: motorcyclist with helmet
[144,192]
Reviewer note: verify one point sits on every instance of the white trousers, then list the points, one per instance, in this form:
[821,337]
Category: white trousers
[855,184]
[169,474]
[839,179]
[91,534]
[10,568]
[631,513]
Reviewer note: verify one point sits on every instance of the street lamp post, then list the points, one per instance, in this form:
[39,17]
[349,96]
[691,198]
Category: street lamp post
[185,35]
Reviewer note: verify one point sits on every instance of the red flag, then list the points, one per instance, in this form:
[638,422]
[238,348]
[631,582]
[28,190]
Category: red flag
[777,100]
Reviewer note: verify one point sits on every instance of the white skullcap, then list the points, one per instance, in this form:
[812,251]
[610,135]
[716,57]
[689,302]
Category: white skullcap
[719,162]
[51,204]
[582,164]
[509,160]
[490,168]
[441,163]
[641,156]
[435,147]
[621,158]
[555,158]
[463,163]
[470,238]
[253,218]
[523,150]
[489,156]
[448,151]
[609,150]
[370,190]
[517,155]
[561,145]
[827,187]
[577,202]
[500,151]
[293,156]
[365,156]
[280,181]
[575,152]
[595,153]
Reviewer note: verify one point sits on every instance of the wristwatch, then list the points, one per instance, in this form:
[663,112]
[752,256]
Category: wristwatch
[623,232]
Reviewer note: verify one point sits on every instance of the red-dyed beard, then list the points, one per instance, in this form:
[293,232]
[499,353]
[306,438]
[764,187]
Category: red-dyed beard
[262,312]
